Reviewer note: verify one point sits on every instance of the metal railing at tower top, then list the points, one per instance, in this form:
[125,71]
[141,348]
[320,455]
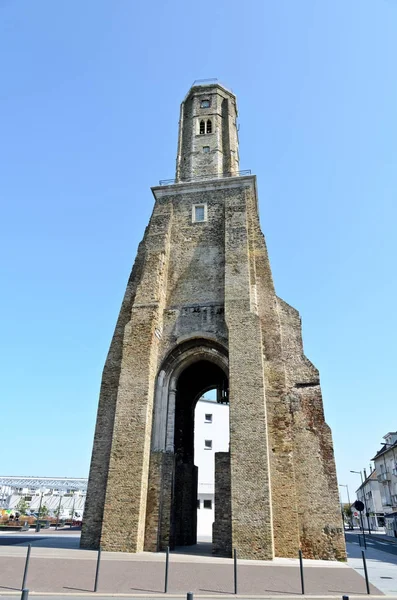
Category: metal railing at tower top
[205,177]
[213,81]
[205,81]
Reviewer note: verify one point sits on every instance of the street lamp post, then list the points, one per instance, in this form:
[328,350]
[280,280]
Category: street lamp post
[365,501]
[41,490]
[348,499]
[74,500]
[59,508]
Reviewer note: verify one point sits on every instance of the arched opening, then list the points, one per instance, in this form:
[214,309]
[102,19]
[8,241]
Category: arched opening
[202,127]
[190,369]
[192,383]
[209,126]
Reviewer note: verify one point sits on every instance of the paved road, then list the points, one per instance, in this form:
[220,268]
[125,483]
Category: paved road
[374,543]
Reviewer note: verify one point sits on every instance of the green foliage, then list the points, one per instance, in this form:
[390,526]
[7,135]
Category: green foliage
[22,506]
[348,511]
[43,511]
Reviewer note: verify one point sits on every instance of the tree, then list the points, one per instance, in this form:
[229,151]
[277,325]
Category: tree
[348,514]
[22,506]
[43,511]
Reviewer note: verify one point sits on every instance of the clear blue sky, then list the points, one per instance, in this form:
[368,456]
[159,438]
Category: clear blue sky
[89,104]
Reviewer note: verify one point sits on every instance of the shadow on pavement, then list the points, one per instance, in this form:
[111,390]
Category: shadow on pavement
[216,592]
[4,587]
[147,590]
[71,541]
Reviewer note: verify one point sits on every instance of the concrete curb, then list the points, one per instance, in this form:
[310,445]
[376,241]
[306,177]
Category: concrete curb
[171,596]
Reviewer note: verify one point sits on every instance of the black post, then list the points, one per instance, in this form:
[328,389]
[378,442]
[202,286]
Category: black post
[301,570]
[98,562]
[345,597]
[167,560]
[38,514]
[235,570]
[359,539]
[365,571]
[25,594]
[59,510]
[71,520]
[189,596]
[25,573]
[362,527]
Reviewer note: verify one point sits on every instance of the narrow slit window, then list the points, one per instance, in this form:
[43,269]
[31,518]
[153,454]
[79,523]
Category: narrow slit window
[209,126]
[202,127]
[199,213]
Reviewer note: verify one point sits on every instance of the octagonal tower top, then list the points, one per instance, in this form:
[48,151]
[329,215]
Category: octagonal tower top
[208,139]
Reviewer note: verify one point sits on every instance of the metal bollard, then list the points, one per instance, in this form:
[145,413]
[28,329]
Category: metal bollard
[365,572]
[98,563]
[25,594]
[235,570]
[345,597]
[167,560]
[189,596]
[301,571]
[25,573]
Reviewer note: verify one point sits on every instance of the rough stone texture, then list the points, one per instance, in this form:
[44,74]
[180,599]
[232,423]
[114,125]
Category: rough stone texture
[200,311]
[222,142]
[222,526]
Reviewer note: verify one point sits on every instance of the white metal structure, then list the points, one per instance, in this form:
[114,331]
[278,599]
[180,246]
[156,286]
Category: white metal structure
[65,494]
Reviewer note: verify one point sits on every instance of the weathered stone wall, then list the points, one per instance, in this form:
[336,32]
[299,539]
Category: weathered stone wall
[222,157]
[158,528]
[212,281]
[185,524]
[124,509]
[222,526]
[251,503]
[321,532]
[95,500]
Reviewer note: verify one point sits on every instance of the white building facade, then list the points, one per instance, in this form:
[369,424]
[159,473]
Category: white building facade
[386,468]
[211,435]
[369,494]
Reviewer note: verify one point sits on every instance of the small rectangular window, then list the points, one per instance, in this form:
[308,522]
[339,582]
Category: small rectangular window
[207,503]
[199,214]
[208,444]
[198,503]
[208,418]
[205,104]
[206,149]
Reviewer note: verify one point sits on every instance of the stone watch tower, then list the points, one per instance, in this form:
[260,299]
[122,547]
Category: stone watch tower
[200,312]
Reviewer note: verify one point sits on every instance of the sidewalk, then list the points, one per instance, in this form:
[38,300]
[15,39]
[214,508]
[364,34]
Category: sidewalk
[68,571]
[382,566]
